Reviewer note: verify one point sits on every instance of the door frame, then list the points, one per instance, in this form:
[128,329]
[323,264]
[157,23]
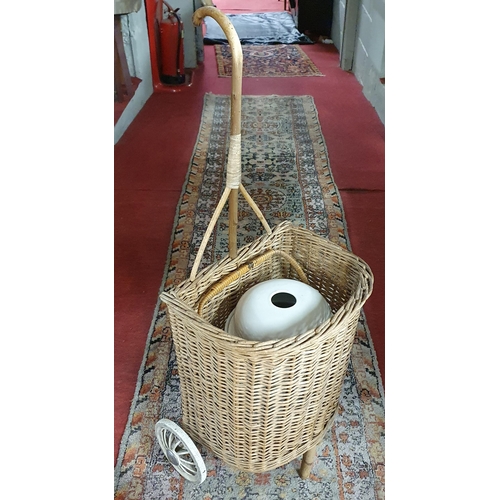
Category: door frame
[349,34]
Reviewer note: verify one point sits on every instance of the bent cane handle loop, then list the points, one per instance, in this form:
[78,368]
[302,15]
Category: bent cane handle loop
[237,60]
[233,178]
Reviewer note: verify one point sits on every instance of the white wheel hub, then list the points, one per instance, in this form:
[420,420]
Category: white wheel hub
[180,451]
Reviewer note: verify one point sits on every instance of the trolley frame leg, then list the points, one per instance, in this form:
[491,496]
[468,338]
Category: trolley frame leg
[307,463]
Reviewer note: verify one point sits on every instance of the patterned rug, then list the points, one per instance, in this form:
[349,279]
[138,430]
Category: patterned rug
[285,167]
[267,60]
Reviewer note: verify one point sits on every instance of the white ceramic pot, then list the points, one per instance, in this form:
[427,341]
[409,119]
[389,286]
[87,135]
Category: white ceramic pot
[277,309]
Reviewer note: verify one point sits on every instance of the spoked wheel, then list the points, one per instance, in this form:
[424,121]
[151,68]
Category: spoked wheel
[180,451]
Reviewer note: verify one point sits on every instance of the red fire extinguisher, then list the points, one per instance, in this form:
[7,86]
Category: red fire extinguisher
[170,34]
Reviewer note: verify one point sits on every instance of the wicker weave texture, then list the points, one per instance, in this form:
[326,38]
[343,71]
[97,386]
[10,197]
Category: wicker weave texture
[258,406]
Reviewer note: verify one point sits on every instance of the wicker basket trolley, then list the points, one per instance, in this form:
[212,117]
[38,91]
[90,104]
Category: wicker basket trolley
[258,405]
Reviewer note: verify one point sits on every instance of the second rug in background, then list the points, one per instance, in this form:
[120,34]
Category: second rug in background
[267,60]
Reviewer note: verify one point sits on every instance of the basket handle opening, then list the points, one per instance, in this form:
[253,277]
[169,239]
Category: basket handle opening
[220,285]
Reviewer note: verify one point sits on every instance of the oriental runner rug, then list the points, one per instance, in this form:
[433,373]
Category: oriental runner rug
[285,167]
[267,60]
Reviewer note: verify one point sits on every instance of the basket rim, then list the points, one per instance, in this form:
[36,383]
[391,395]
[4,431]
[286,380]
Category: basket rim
[352,306]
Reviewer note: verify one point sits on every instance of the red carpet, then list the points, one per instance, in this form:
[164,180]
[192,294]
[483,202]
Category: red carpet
[151,161]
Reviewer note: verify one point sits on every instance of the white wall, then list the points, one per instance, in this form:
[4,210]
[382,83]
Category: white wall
[358,32]
[369,52]
[136,41]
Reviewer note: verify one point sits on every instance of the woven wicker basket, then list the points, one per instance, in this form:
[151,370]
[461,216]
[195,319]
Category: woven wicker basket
[259,405]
